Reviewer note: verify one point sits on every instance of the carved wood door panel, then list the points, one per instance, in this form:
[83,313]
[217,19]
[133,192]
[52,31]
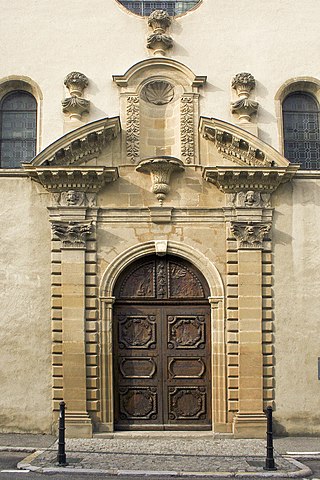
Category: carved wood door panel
[162,350]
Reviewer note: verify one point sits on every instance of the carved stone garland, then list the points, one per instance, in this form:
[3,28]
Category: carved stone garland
[160,169]
[244,83]
[159,40]
[133,128]
[187,128]
[75,106]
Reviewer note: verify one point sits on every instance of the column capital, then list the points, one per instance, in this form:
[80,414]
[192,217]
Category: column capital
[250,235]
[72,234]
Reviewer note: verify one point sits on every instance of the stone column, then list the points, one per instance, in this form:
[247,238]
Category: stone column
[250,420]
[73,236]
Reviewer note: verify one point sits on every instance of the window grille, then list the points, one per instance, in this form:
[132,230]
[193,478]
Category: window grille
[301,130]
[18,114]
[146,7]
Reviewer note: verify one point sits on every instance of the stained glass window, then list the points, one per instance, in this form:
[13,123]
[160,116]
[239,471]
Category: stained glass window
[146,7]
[18,129]
[301,130]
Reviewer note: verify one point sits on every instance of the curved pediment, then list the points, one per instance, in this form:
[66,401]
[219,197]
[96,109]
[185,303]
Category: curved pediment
[78,146]
[239,146]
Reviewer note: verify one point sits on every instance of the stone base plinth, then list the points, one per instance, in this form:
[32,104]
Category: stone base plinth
[78,425]
[246,425]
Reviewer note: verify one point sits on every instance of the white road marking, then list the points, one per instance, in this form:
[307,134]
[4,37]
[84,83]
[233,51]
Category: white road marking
[15,471]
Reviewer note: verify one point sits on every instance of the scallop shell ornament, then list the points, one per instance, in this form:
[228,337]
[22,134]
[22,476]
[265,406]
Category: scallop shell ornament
[158,92]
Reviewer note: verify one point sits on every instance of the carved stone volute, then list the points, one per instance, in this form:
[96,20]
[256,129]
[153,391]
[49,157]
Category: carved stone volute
[159,41]
[160,169]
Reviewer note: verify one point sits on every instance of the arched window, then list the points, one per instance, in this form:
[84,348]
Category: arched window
[146,7]
[18,117]
[301,130]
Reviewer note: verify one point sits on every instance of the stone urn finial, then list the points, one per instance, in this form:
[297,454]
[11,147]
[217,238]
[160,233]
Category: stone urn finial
[244,83]
[160,169]
[75,105]
[159,40]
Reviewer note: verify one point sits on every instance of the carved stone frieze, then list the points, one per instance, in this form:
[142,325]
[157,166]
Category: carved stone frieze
[158,92]
[75,105]
[250,234]
[133,128]
[160,169]
[159,40]
[73,198]
[244,83]
[72,234]
[249,199]
[187,129]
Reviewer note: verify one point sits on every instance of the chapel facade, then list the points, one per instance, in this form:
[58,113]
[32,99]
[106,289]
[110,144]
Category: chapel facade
[159,178]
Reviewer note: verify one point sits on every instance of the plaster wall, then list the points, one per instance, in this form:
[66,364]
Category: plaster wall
[297,303]
[217,39]
[25,331]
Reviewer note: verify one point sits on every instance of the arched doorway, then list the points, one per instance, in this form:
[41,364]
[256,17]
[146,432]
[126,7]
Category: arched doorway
[161,345]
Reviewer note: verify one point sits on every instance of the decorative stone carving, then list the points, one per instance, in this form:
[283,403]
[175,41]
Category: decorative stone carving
[159,41]
[73,198]
[250,234]
[133,128]
[72,234]
[161,247]
[187,129]
[244,83]
[249,199]
[160,169]
[75,105]
[158,92]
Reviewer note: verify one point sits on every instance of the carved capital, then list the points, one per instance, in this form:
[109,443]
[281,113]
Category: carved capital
[76,82]
[72,234]
[159,40]
[250,234]
[160,169]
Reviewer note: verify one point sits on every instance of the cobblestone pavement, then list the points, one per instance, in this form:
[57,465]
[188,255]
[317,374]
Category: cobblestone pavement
[168,455]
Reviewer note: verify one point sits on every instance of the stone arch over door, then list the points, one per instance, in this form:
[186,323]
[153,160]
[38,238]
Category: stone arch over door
[217,319]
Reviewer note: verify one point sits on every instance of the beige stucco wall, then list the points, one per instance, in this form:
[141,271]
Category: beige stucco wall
[25,326]
[297,303]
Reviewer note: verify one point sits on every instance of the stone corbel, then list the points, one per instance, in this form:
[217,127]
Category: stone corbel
[75,106]
[160,169]
[244,83]
[250,234]
[159,41]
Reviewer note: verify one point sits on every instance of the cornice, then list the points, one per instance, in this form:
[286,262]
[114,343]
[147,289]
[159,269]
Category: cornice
[63,179]
[230,179]
[80,145]
[240,146]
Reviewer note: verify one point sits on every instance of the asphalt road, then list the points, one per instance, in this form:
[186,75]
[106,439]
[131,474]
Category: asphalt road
[9,460]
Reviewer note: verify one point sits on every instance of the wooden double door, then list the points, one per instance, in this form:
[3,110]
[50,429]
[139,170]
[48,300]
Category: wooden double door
[162,355]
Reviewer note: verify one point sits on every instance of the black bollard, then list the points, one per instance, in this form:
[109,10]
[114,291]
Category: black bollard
[270,465]
[61,457]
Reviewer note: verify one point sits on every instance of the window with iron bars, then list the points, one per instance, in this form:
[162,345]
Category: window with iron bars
[146,7]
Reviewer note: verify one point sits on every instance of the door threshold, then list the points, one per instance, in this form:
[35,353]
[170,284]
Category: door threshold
[157,434]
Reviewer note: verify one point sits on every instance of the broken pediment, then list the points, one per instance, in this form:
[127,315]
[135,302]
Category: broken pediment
[80,145]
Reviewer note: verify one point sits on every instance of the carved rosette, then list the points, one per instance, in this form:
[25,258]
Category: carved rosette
[75,106]
[72,234]
[159,40]
[160,169]
[187,129]
[244,83]
[133,128]
[250,234]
